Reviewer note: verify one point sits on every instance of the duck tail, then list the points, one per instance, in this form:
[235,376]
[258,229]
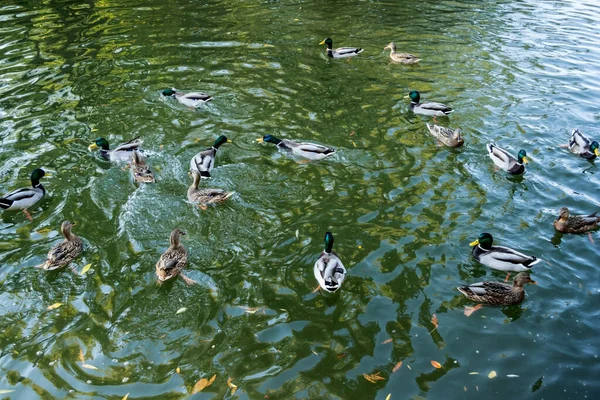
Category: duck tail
[5,203]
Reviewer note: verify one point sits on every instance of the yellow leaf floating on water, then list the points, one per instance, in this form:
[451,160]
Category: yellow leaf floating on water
[88,366]
[389,396]
[178,370]
[492,375]
[81,358]
[54,306]
[203,384]
[473,373]
[397,367]
[125,397]
[86,269]
[436,364]
[4,391]
[231,386]
[250,310]
[181,310]
[373,378]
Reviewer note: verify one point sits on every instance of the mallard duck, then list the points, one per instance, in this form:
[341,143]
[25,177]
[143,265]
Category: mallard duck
[342,52]
[575,223]
[429,108]
[404,58]
[173,261]
[192,99]
[205,196]
[446,135]
[141,172]
[309,151]
[506,161]
[500,257]
[329,270]
[66,251]
[498,293]
[24,198]
[580,144]
[204,161]
[121,154]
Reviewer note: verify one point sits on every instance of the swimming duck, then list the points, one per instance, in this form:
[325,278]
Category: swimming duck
[580,144]
[575,223]
[205,196]
[329,270]
[506,161]
[192,99]
[498,293]
[404,58]
[141,172]
[121,154]
[204,161]
[446,135]
[500,257]
[66,251]
[342,52]
[309,151]
[174,260]
[429,108]
[24,198]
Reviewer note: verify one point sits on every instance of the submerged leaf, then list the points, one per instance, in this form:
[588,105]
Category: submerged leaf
[250,310]
[537,384]
[181,310]
[373,378]
[389,396]
[203,383]
[492,375]
[4,391]
[125,397]
[86,269]
[89,366]
[81,358]
[231,386]
[434,320]
[512,376]
[54,306]
[436,364]
[386,341]
[473,373]
[397,367]
[178,370]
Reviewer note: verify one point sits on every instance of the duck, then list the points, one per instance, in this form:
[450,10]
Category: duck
[584,147]
[141,172]
[403,58]
[309,151]
[172,262]
[204,162]
[24,198]
[329,270]
[205,196]
[191,99]
[122,153]
[342,52]
[429,108]
[500,257]
[498,293]
[506,161]
[575,223]
[66,251]
[447,136]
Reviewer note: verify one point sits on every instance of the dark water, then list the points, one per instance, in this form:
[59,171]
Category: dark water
[403,210]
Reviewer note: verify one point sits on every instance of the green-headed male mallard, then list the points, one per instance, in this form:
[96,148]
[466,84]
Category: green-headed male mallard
[500,257]
[205,196]
[429,108]
[309,151]
[329,270]
[173,261]
[575,223]
[66,251]
[342,52]
[191,99]
[121,154]
[507,162]
[584,147]
[498,293]
[141,172]
[204,161]
[24,198]
[404,58]
[446,136]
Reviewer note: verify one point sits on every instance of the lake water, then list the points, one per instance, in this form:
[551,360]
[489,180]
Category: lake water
[402,209]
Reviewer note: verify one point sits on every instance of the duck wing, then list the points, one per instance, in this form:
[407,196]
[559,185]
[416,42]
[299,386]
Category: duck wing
[511,256]
[131,145]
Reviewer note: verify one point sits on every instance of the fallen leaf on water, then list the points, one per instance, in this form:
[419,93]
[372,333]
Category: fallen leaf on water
[231,386]
[397,367]
[465,388]
[181,310]
[125,397]
[352,133]
[436,364]
[178,370]
[315,353]
[434,320]
[297,233]
[471,310]
[354,144]
[408,366]
[492,375]
[89,366]
[373,378]
[43,231]
[86,269]
[512,376]
[250,310]
[4,391]
[477,387]
[473,373]
[203,384]
[341,355]
[386,341]
[54,306]
[537,384]
[81,358]
[389,396]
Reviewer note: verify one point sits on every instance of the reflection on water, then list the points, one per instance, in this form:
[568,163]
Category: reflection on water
[402,209]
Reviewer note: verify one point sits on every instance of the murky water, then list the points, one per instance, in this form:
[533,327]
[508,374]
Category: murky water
[402,210]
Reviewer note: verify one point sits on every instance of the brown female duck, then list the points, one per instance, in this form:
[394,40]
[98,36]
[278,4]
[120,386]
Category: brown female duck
[498,293]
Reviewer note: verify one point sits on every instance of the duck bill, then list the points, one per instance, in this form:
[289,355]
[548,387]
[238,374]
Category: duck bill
[525,160]
[323,42]
[597,152]
[475,243]
[260,140]
[406,97]
[93,147]
[229,141]
[533,282]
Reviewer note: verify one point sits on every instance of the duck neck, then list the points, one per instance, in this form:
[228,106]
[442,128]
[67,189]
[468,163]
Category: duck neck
[66,232]
[194,186]
[175,240]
